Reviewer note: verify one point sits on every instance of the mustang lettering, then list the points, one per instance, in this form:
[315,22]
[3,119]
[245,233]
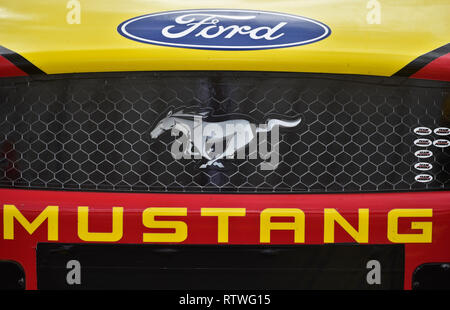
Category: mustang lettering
[295,222]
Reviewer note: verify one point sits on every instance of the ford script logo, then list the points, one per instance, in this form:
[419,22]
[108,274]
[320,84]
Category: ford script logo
[423,166]
[441,143]
[442,131]
[424,178]
[422,131]
[423,142]
[224,29]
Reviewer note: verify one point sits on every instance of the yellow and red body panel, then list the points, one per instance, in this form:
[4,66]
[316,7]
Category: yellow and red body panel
[47,37]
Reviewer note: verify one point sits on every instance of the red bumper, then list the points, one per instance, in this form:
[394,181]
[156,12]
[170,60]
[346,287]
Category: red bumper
[419,220]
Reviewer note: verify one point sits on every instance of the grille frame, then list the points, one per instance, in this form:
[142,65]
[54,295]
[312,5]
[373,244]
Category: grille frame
[259,81]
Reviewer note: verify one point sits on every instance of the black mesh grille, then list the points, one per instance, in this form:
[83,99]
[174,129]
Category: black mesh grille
[92,132]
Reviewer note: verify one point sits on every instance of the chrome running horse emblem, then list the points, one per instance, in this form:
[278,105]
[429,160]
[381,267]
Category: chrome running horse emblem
[207,137]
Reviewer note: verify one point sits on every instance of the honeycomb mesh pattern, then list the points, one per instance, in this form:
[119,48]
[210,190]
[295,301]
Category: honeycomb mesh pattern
[92,133]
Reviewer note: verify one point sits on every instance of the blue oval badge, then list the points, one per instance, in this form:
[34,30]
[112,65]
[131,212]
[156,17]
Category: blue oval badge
[224,29]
